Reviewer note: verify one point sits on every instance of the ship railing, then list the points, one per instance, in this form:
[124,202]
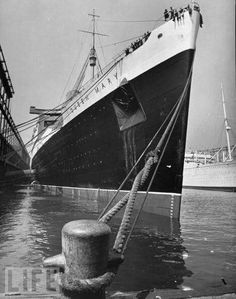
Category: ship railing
[67,106]
[219,154]
[103,70]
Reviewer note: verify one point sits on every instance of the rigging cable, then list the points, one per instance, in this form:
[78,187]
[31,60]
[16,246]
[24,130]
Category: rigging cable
[122,184]
[101,48]
[52,109]
[36,118]
[119,245]
[131,21]
[25,123]
[95,83]
[123,41]
[155,171]
[136,163]
[87,92]
[73,68]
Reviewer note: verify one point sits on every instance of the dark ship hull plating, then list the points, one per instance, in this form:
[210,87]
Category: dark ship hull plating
[92,152]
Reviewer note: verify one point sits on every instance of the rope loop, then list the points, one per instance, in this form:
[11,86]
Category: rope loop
[71,285]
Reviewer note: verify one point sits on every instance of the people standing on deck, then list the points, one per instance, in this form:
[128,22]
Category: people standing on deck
[181,12]
[135,45]
[166,15]
[171,13]
[146,35]
[127,51]
[178,15]
[189,9]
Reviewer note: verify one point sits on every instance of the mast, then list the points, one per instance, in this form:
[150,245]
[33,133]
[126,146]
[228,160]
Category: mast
[227,127]
[93,54]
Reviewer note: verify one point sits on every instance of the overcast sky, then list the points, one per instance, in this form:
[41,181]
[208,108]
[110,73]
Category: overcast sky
[44,50]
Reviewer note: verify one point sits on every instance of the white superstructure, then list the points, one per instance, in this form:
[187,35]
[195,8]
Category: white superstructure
[171,38]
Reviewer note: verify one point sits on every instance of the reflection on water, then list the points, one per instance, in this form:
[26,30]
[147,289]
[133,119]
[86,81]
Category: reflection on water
[208,223]
[161,254]
[153,259]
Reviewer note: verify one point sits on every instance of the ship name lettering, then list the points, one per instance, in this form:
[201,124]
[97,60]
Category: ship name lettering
[115,75]
[109,80]
[103,86]
[97,89]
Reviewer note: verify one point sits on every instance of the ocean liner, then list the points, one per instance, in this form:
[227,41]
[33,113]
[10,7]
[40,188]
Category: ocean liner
[93,140]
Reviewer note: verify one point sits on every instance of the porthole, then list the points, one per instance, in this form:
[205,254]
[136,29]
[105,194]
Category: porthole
[160,35]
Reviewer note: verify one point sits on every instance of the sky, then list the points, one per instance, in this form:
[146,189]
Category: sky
[44,50]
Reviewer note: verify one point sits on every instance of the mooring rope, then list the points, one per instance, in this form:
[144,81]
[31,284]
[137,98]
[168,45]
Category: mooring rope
[141,177]
[98,284]
[150,184]
[101,216]
[120,244]
[72,286]
[122,202]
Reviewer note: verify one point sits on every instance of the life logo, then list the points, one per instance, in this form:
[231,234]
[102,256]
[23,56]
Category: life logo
[20,280]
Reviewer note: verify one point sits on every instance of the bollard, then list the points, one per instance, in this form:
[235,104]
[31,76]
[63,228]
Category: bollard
[85,254]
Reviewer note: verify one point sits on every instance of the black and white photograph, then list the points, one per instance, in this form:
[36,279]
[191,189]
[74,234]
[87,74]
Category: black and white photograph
[117,149]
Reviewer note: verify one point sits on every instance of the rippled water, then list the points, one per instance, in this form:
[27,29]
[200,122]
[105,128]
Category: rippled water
[199,253]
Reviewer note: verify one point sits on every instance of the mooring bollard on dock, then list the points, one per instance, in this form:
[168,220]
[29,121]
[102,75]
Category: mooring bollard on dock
[84,260]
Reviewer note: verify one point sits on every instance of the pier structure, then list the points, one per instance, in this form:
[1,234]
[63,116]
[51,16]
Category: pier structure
[13,154]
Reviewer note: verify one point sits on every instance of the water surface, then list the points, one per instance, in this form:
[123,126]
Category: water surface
[198,253]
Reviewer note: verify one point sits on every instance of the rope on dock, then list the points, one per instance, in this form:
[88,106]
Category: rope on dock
[81,241]
[81,286]
[72,285]
[134,166]
[129,199]
[138,183]
[139,180]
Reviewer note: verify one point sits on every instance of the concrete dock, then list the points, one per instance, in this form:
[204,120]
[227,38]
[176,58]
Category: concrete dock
[146,294]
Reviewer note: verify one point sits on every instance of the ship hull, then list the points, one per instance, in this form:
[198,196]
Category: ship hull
[92,151]
[216,176]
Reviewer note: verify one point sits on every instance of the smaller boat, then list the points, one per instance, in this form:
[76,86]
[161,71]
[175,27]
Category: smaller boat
[213,169]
